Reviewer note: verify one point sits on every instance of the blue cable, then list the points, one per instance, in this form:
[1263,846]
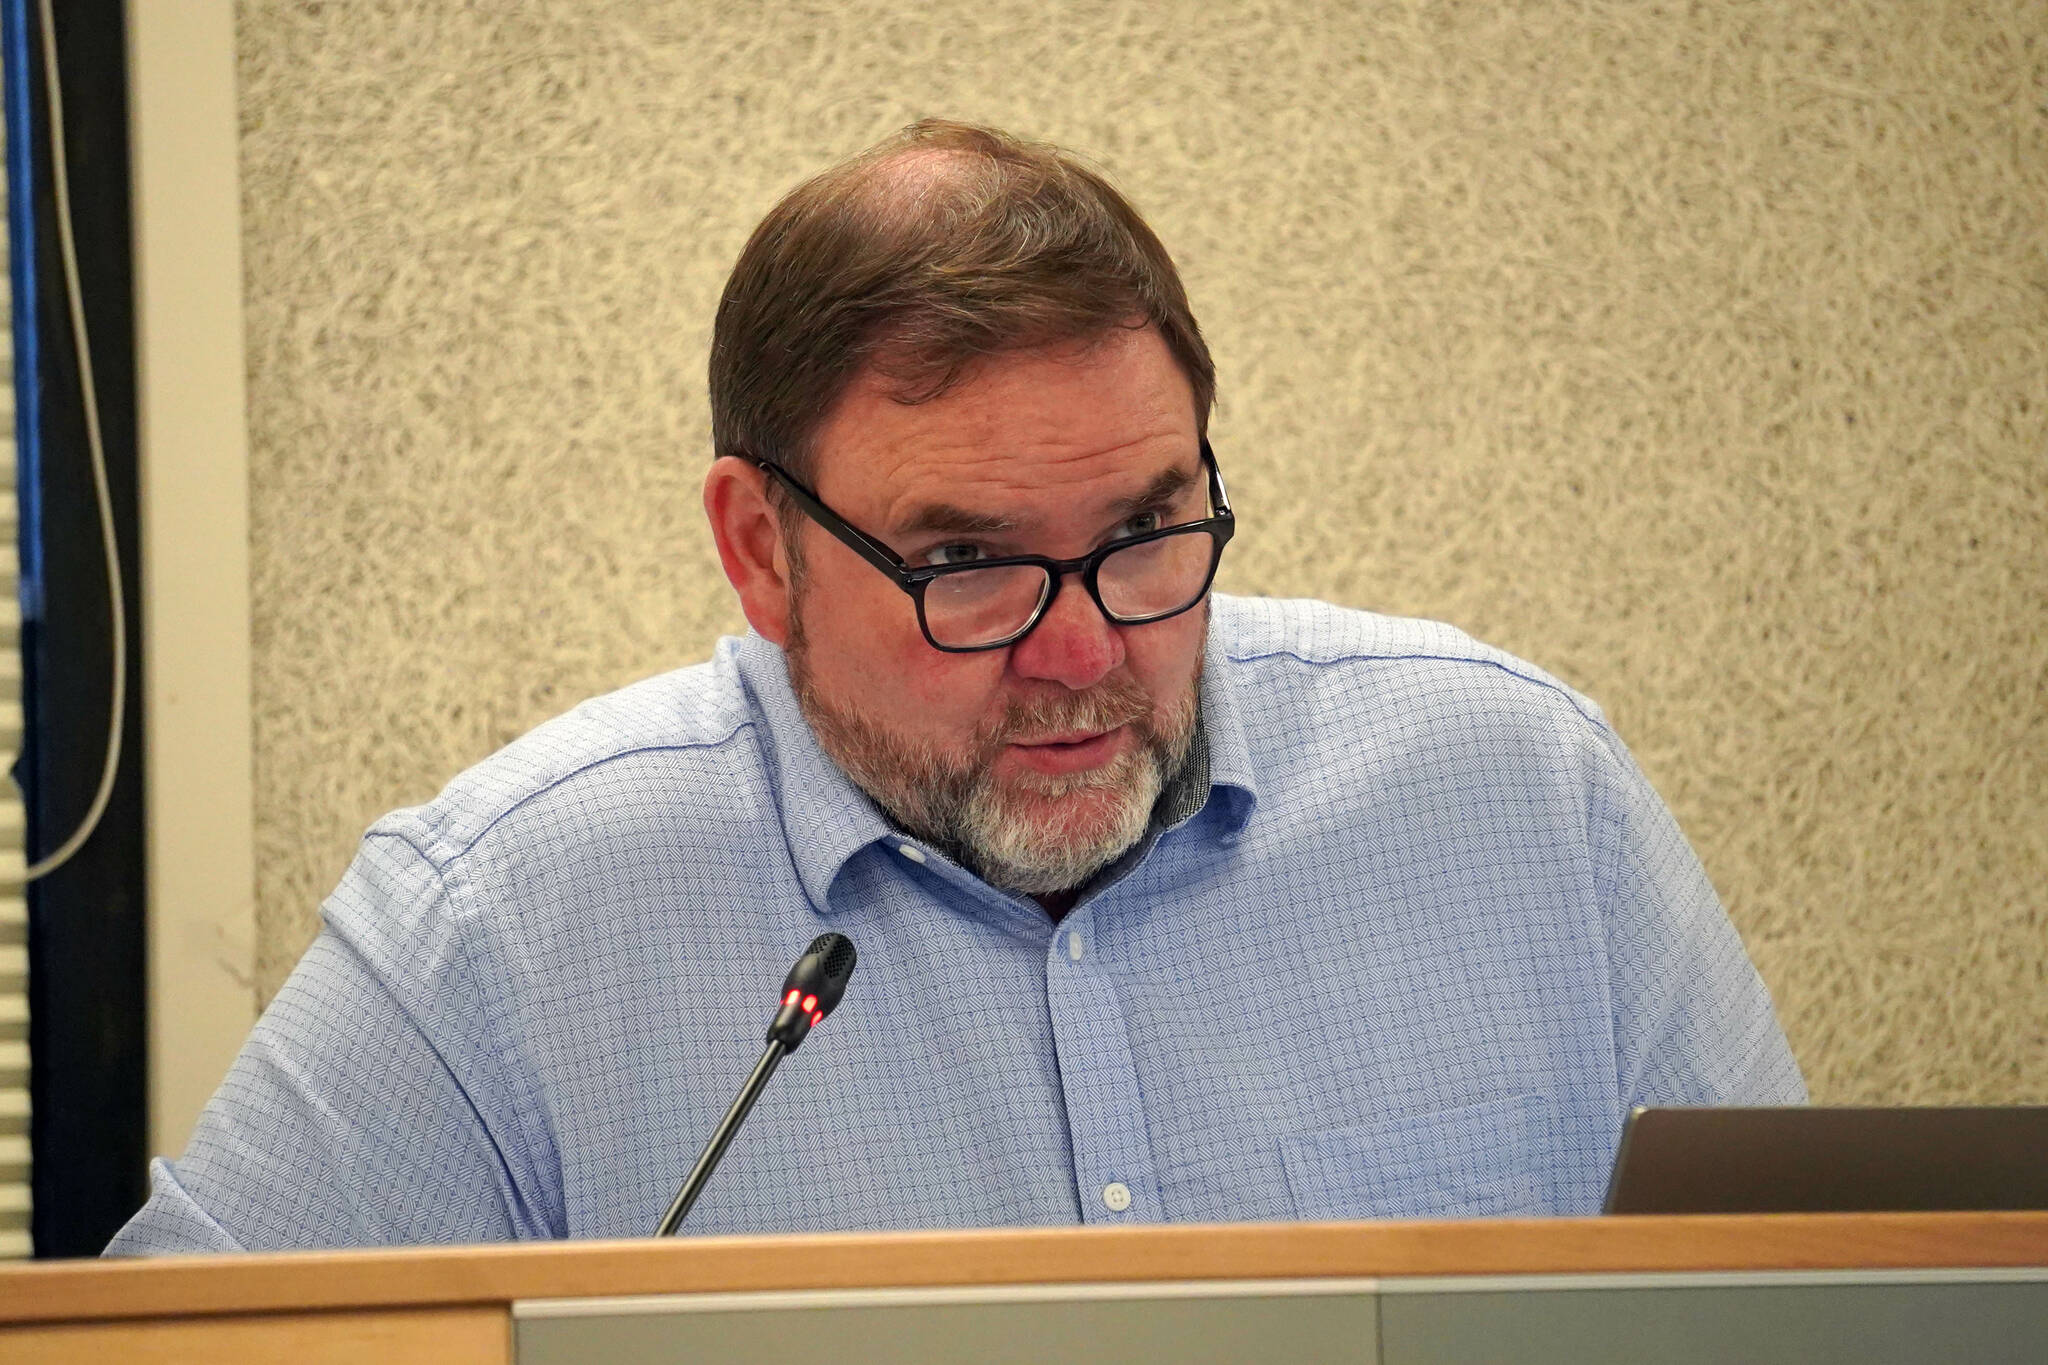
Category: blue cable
[19,74]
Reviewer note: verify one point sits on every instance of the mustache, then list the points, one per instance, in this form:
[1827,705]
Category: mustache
[1103,707]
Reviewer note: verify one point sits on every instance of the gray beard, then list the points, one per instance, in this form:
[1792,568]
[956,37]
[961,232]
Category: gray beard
[957,804]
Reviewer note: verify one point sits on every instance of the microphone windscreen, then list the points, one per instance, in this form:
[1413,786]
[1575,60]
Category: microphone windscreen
[823,971]
[839,957]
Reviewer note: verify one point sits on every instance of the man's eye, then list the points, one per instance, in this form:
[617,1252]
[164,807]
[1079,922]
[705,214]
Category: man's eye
[1142,523]
[954,554]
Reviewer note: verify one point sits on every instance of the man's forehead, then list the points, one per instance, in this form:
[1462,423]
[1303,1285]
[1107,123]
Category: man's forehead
[1117,411]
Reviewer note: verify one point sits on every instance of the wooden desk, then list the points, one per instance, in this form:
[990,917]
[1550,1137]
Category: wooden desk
[457,1304]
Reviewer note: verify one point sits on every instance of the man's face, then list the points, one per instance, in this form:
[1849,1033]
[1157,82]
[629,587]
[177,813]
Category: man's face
[1038,762]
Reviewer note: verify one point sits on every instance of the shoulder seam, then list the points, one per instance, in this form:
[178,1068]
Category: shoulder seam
[454,854]
[1363,656]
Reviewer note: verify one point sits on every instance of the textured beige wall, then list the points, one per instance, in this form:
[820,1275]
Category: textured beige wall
[1698,352]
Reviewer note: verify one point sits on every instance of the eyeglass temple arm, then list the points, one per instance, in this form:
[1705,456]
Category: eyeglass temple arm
[1216,489]
[873,552]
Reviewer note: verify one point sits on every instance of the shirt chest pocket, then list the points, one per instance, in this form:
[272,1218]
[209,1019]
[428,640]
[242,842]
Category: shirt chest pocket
[1479,1161]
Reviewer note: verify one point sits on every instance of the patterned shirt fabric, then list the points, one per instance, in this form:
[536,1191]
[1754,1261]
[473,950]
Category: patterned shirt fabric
[1413,951]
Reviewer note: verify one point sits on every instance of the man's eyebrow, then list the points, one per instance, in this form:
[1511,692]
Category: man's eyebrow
[1164,488]
[943,518]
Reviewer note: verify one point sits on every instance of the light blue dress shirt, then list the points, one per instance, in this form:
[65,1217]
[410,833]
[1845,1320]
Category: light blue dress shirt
[1424,943]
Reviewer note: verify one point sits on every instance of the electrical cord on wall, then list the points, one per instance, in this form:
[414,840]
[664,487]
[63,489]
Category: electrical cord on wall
[67,246]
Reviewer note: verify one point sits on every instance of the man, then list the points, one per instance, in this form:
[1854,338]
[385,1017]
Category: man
[1167,908]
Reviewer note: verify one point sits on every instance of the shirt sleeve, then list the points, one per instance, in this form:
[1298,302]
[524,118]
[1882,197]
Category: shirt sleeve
[365,1108]
[1693,1022]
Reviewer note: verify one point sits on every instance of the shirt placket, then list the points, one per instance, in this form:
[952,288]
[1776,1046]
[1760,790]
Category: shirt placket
[1113,1169]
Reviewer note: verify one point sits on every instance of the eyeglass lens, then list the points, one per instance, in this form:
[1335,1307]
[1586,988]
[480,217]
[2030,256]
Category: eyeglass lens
[1152,578]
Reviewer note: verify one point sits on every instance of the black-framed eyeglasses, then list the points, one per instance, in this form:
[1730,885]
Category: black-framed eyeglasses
[991,603]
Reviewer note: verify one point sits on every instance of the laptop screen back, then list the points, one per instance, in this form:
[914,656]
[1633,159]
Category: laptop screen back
[1817,1160]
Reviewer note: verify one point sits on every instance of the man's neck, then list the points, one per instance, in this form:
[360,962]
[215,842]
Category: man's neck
[1057,904]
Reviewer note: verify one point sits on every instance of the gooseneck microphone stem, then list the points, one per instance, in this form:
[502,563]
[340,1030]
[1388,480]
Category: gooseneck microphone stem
[811,991]
[693,1184]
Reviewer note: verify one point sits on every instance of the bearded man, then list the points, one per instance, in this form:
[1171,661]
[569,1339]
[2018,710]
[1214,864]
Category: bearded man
[1169,906]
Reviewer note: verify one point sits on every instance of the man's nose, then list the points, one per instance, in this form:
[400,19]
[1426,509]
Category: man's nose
[1073,644]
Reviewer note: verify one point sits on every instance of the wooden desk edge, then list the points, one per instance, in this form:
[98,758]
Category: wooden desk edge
[430,1276]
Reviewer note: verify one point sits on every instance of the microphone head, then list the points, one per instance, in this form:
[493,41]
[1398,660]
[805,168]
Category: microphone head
[813,987]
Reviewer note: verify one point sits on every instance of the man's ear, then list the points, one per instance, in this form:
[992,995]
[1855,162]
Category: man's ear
[749,539]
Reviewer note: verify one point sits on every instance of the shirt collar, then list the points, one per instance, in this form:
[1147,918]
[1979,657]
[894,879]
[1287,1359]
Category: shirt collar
[827,819]
[1227,781]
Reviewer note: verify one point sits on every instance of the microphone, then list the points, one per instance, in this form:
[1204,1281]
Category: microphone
[809,993]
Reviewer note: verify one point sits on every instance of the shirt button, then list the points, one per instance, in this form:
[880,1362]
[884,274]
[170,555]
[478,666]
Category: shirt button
[916,855]
[1117,1195]
[1073,946]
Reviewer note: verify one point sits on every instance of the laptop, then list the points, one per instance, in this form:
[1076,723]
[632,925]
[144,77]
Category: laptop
[1822,1160]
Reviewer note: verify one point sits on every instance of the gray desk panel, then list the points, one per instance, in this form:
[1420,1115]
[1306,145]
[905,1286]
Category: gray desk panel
[1897,1323]
[1985,1317]
[1248,1328]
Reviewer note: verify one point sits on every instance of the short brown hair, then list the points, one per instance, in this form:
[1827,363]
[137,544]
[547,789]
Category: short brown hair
[942,245]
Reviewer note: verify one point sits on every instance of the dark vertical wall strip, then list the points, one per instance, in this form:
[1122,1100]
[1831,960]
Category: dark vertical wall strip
[86,946]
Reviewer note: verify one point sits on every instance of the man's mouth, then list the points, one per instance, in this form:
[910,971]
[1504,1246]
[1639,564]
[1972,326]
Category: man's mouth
[1068,752]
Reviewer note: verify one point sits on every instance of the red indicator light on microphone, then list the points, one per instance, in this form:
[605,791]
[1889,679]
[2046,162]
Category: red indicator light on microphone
[790,999]
[817,1018]
[810,1004]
